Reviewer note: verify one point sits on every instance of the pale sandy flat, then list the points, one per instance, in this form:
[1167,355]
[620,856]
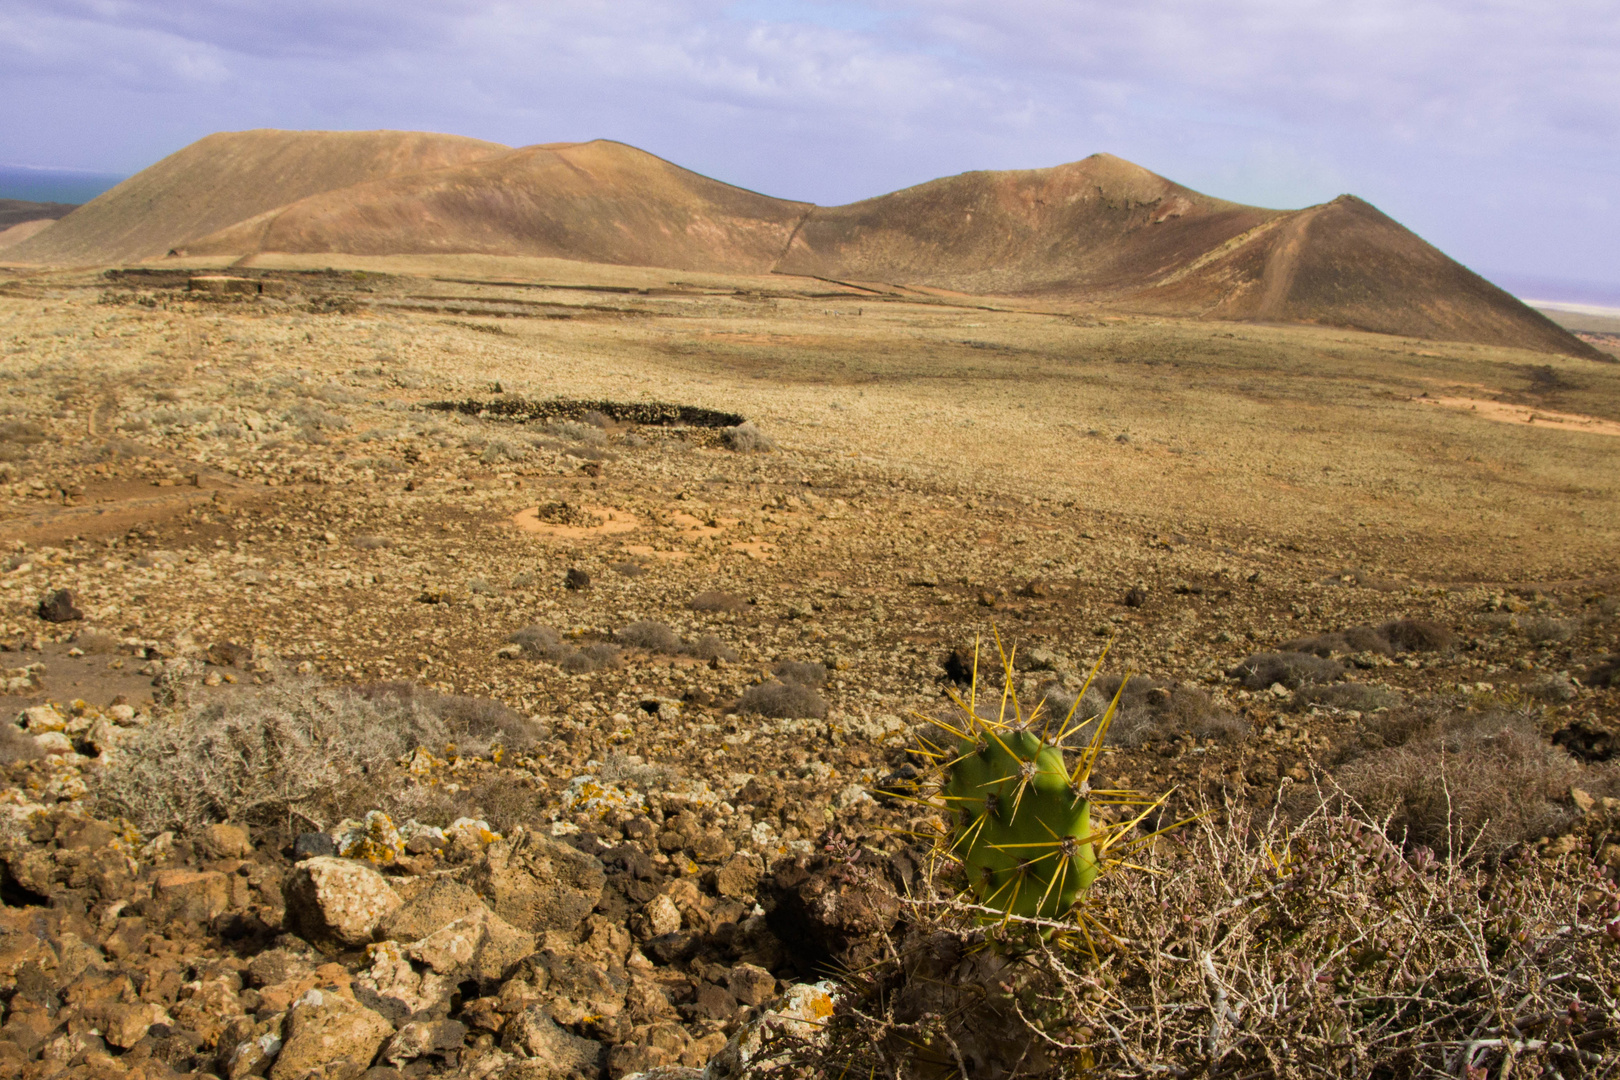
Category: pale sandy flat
[1504,413]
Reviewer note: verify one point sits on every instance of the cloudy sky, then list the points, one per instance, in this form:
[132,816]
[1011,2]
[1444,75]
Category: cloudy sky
[1492,127]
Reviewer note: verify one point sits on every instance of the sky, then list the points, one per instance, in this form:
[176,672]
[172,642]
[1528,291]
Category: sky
[1491,127]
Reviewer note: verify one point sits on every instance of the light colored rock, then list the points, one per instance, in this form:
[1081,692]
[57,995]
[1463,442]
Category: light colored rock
[801,1014]
[443,902]
[126,1025]
[190,895]
[1584,803]
[328,1037]
[548,1050]
[337,899]
[39,719]
[482,945]
[421,1038]
[228,841]
[663,917]
[393,977]
[537,884]
[53,742]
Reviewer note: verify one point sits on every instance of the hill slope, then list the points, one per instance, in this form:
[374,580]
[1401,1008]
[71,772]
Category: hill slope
[599,201]
[224,178]
[1100,230]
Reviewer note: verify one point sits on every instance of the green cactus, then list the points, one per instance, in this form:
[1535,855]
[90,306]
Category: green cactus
[1020,815]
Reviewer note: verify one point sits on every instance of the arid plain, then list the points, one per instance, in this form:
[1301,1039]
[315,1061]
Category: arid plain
[236,472]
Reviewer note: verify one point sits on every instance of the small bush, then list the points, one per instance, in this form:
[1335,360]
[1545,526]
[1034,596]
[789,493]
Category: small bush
[1417,635]
[368,542]
[785,701]
[1551,688]
[748,439]
[717,601]
[651,636]
[1149,711]
[540,643]
[710,647]
[1292,669]
[802,672]
[295,748]
[628,569]
[498,451]
[591,658]
[1249,948]
[1356,639]
[1469,783]
[1547,631]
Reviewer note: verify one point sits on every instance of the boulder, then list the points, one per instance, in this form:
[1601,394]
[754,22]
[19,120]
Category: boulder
[331,899]
[424,1038]
[548,1050]
[479,946]
[57,607]
[440,904]
[189,895]
[537,884]
[829,910]
[329,1037]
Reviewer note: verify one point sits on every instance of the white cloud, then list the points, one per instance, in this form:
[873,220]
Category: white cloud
[1492,126]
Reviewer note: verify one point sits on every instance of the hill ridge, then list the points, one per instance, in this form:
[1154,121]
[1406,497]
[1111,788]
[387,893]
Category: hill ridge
[1102,229]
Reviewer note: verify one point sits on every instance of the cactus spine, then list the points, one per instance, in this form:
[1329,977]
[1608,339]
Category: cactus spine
[1019,813]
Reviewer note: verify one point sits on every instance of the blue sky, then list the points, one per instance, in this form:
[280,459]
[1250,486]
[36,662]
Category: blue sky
[1492,127]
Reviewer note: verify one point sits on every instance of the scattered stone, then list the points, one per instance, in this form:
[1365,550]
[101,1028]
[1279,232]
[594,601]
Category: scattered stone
[189,895]
[338,900]
[537,884]
[548,1050]
[329,1037]
[57,607]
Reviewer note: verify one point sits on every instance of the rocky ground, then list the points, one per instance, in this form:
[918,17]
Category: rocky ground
[676,664]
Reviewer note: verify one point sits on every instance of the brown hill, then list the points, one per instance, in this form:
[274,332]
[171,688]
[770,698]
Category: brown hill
[1100,230]
[224,178]
[1098,227]
[1106,230]
[599,201]
[16,234]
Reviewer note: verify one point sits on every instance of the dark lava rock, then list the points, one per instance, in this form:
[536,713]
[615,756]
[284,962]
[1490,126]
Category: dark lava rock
[576,579]
[832,911]
[57,607]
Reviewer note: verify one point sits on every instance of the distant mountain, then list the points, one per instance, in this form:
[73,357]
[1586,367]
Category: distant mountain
[228,177]
[1101,230]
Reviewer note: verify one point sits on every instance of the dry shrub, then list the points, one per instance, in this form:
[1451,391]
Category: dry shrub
[1250,948]
[296,749]
[747,438]
[714,600]
[540,643]
[1460,783]
[651,636]
[369,542]
[1545,631]
[1149,711]
[1292,669]
[591,658]
[1358,697]
[805,673]
[784,701]
[544,643]
[1417,635]
[1356,639]
[710,647]
[628,569]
